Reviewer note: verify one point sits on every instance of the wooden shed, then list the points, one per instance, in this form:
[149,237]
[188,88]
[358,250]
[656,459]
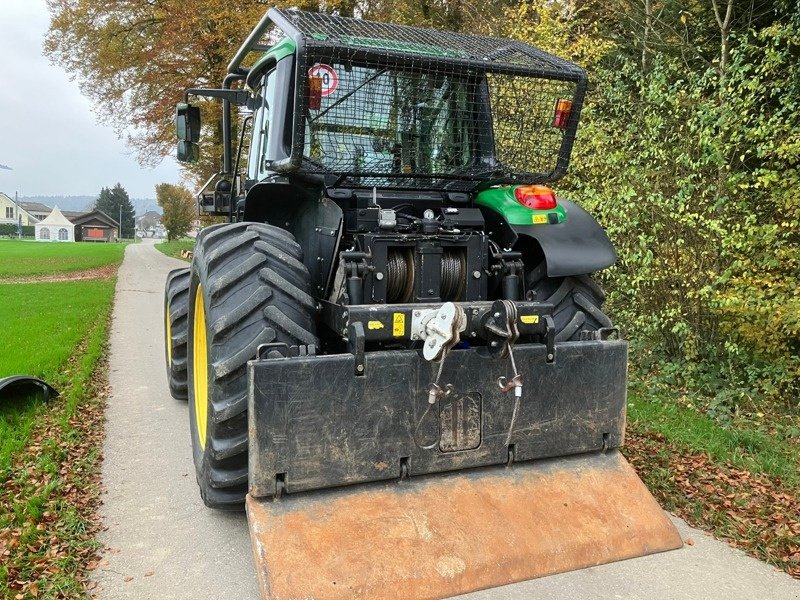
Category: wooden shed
[95,226]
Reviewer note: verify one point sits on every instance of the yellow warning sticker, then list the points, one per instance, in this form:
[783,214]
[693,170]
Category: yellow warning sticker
[529,319]
[539,219]
[399,324]
[374,325]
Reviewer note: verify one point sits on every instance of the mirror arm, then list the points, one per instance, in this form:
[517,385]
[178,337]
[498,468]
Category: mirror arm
[227,151]
[237,97]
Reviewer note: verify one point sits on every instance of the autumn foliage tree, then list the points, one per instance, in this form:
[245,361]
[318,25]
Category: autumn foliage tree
[134,59]
[179,209]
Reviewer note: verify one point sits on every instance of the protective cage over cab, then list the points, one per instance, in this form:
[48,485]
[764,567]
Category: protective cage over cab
[404,107]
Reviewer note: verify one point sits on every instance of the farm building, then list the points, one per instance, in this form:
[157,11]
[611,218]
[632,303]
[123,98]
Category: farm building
[55,228]
[95,226]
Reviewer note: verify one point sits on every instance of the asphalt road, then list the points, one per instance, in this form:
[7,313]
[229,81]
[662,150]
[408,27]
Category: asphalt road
[163,543]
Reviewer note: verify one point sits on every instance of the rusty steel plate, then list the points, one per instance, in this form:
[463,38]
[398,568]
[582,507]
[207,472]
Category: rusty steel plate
[460,422]
[438,536]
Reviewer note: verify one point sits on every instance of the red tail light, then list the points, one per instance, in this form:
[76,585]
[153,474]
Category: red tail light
[563,111]
[536,197]
[314,92]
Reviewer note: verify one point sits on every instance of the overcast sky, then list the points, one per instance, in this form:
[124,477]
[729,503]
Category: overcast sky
[49,135]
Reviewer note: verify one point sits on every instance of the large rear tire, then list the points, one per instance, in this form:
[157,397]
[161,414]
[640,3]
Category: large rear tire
[577,302]
[176,318]
[248,287]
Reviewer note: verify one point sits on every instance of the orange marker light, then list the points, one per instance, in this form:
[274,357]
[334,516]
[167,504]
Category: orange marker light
[314,92]
[563,111]
[536,197]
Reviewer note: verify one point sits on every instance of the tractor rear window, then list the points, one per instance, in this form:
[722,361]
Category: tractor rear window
[380,121]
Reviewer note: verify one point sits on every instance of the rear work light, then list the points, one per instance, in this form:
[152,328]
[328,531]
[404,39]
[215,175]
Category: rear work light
[314,92]
[535,197]
[562,113]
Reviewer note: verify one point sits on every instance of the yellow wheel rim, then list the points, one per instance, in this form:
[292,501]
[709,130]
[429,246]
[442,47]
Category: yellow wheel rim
[200,367]
[168,330]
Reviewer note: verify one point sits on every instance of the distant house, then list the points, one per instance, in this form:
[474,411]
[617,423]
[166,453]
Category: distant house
[95,226]
[149,224]
[38,210]
[12,212]
[55,228]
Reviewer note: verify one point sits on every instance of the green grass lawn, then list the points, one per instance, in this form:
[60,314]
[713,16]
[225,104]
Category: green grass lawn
[175,248]
[42,326]
[26,259]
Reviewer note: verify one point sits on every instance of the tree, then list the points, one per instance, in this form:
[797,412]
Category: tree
[115,202]
[178,205]
[134,60]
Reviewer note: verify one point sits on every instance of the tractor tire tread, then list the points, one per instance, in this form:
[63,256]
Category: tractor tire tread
[577,302]
[176,295]
[256,291]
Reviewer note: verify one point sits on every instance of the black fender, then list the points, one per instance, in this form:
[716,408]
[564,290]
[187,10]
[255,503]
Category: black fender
[304,211]
[578,246]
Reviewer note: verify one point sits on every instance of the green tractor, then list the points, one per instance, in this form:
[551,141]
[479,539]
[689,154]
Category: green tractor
[396,339]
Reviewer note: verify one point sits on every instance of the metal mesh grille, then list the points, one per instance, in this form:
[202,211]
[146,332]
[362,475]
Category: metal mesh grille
[411,107]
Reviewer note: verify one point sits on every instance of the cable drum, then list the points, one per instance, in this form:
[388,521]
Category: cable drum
[399,275]
[454,266]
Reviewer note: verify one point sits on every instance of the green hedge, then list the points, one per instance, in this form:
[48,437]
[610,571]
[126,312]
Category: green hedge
[10,229]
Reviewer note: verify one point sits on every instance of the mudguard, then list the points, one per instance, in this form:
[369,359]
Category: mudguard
[577,246]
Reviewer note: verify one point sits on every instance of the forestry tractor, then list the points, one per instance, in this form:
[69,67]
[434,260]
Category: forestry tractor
[394,352]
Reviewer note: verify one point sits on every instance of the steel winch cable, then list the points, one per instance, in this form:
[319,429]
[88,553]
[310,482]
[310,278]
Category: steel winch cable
[454,265]
[399,275]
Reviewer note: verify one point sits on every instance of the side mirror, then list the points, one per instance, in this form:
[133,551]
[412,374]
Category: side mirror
[188,151]
[187,121]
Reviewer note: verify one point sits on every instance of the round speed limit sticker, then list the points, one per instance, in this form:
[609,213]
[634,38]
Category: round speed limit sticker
[330,80]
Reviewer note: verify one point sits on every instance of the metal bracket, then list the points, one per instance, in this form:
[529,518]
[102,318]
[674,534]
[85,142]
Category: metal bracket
[550,338]
[439,328]
[500,326]
[357,340]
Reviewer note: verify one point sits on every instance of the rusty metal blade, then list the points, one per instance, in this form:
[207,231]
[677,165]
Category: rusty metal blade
[444,535]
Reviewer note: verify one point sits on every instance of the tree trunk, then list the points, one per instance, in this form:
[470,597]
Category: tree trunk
[724,22]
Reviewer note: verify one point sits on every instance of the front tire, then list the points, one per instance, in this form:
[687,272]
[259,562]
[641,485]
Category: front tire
[248,287]
[577,302]
[176,319]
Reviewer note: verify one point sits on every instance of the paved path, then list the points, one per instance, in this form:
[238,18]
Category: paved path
[156,521]
[167,545]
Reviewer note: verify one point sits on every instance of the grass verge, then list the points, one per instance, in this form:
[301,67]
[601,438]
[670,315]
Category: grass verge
[50,453]
[741,482]
[175,247]
[25,258]
[50,491]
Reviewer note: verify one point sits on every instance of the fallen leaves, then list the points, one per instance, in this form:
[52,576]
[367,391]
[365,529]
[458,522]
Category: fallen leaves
[50,496]
[751,511]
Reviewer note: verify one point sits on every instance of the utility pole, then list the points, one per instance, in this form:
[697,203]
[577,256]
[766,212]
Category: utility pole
[120,220]
[19,215]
